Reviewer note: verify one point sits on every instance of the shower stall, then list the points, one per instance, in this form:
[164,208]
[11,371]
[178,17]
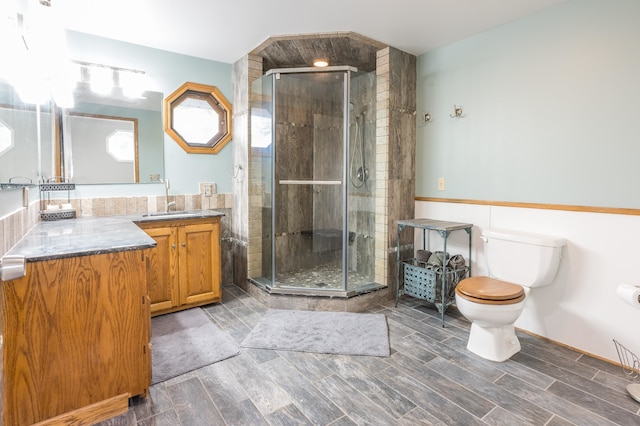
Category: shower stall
[312,181]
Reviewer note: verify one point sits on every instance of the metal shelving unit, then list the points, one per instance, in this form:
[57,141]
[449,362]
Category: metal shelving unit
[444,229]
[55,185]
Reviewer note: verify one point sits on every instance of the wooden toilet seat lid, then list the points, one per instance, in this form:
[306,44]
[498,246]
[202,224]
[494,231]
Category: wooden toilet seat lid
[490,291]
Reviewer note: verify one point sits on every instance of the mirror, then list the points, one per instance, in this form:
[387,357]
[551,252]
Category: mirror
[113,139]
[198,117]
[22,158]
[101,149]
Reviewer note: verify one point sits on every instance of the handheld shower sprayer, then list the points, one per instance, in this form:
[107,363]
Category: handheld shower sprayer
[358,172]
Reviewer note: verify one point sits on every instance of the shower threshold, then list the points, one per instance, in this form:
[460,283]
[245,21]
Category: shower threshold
[316,292]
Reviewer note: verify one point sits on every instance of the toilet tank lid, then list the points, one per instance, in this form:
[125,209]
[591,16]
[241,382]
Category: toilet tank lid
[524,237]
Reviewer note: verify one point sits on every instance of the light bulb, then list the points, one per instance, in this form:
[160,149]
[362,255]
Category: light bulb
[132,83]
[101,80]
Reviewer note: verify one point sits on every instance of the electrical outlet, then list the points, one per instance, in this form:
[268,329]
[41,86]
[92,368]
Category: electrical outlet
[208,190]
[441,184]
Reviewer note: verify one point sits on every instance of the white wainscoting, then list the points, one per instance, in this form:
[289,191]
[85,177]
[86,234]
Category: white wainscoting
[581,308]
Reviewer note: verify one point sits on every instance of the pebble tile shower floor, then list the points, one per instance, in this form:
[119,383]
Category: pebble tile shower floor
[323,276]
[430,379]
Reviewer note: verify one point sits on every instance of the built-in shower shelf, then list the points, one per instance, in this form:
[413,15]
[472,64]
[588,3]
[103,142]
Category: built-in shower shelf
[324,233]
[329,234]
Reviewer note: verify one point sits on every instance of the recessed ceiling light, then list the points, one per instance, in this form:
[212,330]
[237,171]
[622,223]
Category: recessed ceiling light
[320,63]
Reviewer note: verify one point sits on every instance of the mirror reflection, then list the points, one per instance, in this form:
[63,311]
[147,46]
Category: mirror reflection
[25,140]
[97,123]
[101,149]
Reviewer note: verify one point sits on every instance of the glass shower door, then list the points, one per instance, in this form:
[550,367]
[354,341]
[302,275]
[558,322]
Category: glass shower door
[309,198]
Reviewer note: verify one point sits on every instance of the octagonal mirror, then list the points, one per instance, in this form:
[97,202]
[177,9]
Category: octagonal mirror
[198,117]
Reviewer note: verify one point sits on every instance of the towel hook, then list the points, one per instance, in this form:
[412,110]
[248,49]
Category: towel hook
[457,112]
[236,170]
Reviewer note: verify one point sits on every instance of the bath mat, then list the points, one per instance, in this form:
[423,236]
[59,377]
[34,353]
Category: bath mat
[185,341]
[344,333]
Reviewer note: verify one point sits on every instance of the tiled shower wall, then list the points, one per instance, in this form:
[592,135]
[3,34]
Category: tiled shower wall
[362,214]
[395,158]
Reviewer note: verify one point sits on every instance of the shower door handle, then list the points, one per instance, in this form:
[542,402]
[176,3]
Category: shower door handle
[309,182]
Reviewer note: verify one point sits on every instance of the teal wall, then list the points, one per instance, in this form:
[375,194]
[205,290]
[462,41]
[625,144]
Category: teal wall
[550,104]
[167,71]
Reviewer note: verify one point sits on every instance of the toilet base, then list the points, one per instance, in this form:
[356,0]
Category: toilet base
[493,343]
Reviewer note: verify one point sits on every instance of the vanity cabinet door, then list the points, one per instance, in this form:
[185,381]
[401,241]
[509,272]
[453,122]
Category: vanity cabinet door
[163,269]
[200,263]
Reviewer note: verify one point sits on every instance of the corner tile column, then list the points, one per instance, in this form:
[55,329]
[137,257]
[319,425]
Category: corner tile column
[395,159]
[245,70]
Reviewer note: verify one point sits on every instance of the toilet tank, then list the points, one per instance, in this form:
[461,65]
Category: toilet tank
[523,258]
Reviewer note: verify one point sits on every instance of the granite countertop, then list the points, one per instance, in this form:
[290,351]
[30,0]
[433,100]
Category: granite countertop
[92,235]
[173,215]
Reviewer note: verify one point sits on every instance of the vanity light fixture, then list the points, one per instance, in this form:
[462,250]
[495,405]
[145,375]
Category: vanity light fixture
[101,79]
[62,96]
[104,78]
[63,83]
[132,82]
[320,63]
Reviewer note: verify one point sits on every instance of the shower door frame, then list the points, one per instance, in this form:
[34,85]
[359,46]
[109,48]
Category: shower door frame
[264,252]
[275,288]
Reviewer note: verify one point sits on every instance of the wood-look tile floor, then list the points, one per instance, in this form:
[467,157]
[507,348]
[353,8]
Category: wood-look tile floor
[430,378]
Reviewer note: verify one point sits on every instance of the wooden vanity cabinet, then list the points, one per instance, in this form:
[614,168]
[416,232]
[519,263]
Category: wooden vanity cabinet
[185,267]
[76,334]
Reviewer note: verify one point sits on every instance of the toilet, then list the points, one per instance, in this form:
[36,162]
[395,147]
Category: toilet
[518,261]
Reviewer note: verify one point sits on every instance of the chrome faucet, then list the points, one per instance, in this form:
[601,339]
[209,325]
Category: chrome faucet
[167,204]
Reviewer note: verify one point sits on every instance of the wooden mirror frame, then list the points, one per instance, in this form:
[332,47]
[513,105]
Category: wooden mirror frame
[218,102]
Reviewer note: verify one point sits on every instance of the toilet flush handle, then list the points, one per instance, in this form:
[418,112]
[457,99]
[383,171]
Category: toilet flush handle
[485,239]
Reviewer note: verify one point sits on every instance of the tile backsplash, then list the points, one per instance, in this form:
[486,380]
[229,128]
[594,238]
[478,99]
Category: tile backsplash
[15,225]
[118,206]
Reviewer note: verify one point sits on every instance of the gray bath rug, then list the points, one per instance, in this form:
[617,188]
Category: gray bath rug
[185,341]
[344,333]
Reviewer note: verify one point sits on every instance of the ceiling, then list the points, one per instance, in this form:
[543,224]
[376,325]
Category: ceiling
[226,30]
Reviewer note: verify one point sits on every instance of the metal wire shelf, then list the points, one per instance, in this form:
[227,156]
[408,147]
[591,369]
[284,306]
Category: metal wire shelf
[631,367]
[52,185]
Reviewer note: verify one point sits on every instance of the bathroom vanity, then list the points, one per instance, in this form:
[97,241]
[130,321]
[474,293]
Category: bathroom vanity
[76,326]
[185,267]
